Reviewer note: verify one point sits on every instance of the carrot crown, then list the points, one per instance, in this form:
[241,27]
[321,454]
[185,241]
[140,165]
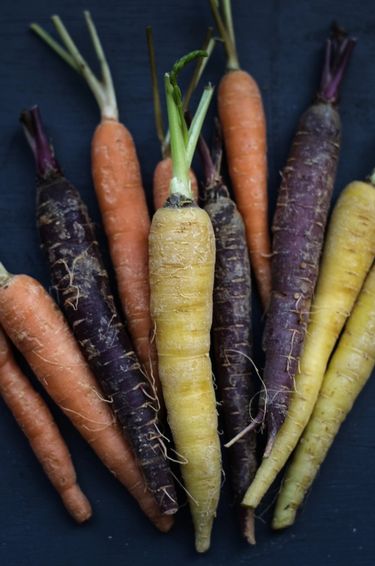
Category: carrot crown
[222,14]
[46,163]
[102,88]
[208,46]
[338,50]
[183,138]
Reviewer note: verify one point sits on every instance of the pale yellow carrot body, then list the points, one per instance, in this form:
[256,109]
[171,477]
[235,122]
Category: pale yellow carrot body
[347,373]
[182,255]
[347,257]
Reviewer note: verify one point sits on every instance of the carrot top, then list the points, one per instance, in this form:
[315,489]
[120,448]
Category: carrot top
[102,88]
[338,50]
[208,45]
[222,14]
[46,164]
[183,138]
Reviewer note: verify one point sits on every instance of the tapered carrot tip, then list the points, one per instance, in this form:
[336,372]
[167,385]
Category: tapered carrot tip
[203,535]
[164,523]
[284,519]
[77,504]
[248,526]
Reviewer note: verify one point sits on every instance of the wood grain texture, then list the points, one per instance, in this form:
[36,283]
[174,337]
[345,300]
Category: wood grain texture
[280,42]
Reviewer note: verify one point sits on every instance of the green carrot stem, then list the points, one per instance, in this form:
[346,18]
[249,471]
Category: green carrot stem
[180,182]
[227,13]
[103,89]
[155,89]
[4,275]
[200,66]
[104,67]
[197,123]
[183,140]
[48,39]
[227,33]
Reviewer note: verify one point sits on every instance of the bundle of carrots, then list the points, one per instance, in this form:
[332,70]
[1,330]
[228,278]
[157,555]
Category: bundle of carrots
[184,276]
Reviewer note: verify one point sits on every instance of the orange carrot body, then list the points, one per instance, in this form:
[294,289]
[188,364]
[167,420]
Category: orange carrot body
[162,177]
[36,421]
[38,329]
[121,197]
[244,130]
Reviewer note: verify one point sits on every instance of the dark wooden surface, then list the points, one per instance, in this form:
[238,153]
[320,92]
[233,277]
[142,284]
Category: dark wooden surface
[280,42]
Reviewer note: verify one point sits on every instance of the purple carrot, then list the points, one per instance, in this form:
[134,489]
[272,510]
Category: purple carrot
[83,289]
[231,328]
[298,232]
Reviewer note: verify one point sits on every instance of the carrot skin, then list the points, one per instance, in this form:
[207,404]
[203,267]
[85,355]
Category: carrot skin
[37,423]
[244,130]
[348,371]
[298,232]
[232,340]
[118,185]
[231,326]
[182,255]
[33,322]
[82,284]
[162,177]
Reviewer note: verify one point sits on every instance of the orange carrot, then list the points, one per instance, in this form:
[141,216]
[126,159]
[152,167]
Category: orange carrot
[162,177]
[118,184]
[119,190]
[244,129]
[38,329]
[36,421]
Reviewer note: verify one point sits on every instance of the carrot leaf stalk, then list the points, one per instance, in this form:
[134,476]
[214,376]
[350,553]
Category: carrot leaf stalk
[224,24]
[207,47]
[163,170]
[102,89]
[183,139]
[37,423]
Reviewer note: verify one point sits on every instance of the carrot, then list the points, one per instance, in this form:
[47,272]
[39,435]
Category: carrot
[36,421]
[182,257]
[347,374]
[118,185]
[82,285]
[37,328]
[298,228]
[244,128]
[231,328]
[164,170]
[347,256]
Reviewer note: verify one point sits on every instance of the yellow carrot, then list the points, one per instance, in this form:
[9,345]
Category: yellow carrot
[347,257]
[347,374]
[182,256]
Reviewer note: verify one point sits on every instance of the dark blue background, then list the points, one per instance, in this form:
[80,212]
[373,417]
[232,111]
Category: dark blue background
[280,42]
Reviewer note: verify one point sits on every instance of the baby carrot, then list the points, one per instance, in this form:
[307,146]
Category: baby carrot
[244,128]
[37,423]
[164,169]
